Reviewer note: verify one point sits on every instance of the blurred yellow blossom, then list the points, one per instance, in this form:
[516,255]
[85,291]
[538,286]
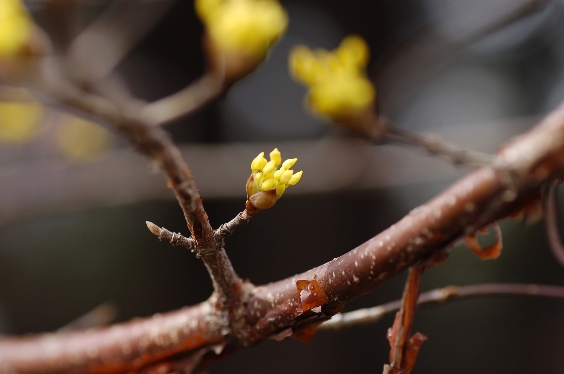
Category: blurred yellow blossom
[240,32]
[267,182]
[81,140]
[15,27]
[338,86]
[250,26]
[19,120]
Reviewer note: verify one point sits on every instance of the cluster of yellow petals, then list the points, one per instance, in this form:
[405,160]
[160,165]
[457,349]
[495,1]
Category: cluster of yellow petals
[266,176]
[15,27]
[336,79]
[245,26]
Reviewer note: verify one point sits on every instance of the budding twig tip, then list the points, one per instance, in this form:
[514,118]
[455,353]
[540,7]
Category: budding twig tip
[156,230]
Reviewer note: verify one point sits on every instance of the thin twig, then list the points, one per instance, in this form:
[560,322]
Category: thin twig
[227,229]
[550,211]
[456,154]
[440,296]
[175,239]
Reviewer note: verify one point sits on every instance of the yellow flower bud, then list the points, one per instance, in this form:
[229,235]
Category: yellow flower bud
[342,96]
[338,86]
[276,156]
[258,163]
[288,163]
[286,176]
[295,178]
[240,33]
[15,27]
[280,189]
[303,64]
[269,168]
[353,52]
[204,8]
[267,184]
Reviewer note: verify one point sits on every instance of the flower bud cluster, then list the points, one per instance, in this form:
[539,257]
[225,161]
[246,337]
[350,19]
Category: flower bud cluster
[240,33]
[269,179]
[338,86]
[15,27]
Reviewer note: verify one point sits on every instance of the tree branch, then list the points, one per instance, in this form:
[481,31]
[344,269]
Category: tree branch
[185,101]
[440,296]
[108,39]
[177,240]
[456,154]
[490,193]
[551,223]
[155,142]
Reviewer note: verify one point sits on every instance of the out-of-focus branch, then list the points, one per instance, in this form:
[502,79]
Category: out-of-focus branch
[404,70]
[456,154]
[440,296]
[185,101]
[551,223]
[112,36]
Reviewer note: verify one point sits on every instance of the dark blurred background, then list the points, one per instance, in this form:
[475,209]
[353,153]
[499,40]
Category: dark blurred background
[437,71]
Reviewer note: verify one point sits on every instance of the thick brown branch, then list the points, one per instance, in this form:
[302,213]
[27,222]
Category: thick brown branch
[121,348]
